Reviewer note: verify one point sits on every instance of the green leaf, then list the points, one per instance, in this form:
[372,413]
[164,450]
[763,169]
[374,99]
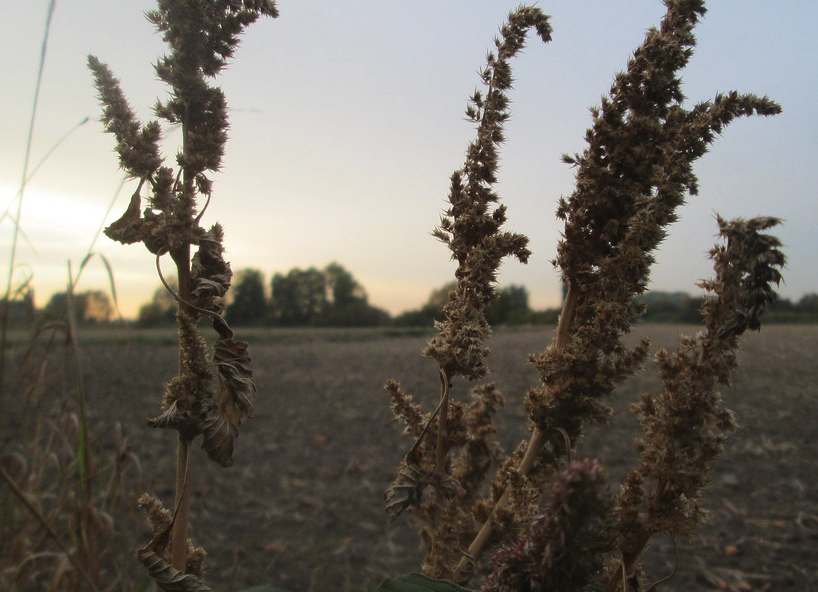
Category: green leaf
[265,589]
[415,582]
[595,587]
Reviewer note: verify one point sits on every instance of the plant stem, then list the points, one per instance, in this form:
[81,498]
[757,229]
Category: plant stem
[179,536]
[180,523]
[87,547]
[465,567]
[441,449]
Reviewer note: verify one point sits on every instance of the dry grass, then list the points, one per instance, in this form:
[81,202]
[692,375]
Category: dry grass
[63,481]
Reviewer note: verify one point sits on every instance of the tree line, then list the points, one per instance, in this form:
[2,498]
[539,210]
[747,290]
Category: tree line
[332,297]
[328,297]
[680,307]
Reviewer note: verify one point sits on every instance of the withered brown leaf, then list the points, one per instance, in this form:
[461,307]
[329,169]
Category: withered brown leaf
[126,229]
[221,428]
[210,274]
[235,399]
[174,418]
[405,491]
[166,576]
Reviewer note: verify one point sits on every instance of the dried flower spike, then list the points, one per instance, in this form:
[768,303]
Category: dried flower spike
[214,390]
[471,228]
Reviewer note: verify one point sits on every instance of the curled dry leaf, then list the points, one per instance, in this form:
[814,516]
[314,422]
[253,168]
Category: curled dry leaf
[210,274]
[221,428]
[446,485]
[166,576]
[169,578]
[126,229]
[405,491]
[171,418]
[235,399]
[233,362]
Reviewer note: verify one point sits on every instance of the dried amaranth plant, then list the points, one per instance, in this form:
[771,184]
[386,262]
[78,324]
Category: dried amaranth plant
[684,429]
[685,426]
[471,229]
[630,180]
[214,389]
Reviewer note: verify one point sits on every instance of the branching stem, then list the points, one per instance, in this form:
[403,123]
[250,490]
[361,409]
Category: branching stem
[465,568]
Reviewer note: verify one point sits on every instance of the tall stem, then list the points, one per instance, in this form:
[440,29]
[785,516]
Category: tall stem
[441,449]
[465,568]
[181,258]
[180,524]
[6,305]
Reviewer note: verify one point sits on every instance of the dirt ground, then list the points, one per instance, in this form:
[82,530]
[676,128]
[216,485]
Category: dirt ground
[302,507]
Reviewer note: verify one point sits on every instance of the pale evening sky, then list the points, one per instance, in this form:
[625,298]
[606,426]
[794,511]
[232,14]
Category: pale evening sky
[347,121]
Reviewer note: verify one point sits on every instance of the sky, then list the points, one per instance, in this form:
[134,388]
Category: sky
[347,122]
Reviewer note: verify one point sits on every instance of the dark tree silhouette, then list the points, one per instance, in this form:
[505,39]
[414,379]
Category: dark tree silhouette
[249,304]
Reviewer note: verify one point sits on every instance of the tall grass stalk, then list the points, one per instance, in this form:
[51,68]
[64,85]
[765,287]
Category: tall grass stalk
[4,314]
[55,479]
[23,499]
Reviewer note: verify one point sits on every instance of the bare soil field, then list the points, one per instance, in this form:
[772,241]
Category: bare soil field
[302,507]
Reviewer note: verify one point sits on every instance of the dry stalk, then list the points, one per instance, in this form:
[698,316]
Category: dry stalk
[635,173]
[21,497]
[663,493]
[7,295]
[214,389]
[467,565]
[472,231]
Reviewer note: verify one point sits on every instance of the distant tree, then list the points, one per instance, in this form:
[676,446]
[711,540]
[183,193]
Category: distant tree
[805,310]
[330,297]
[298,298]
[161,310]
[426,315]
[691,312]
[670,307]
[342,288]
[57,306]
[510,307]
[347,302]
[98,307]
[809,303]
[21,310]
[249,304]
[440,296]
[355,314]
[93,306]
